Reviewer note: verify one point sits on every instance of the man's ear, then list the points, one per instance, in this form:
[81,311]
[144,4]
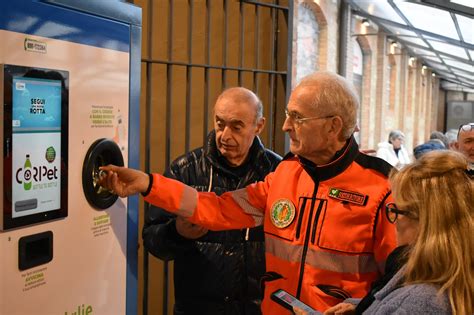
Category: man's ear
[336,126]
[260,125]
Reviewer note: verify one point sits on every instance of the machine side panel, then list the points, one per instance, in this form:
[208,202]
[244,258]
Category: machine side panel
[94,264]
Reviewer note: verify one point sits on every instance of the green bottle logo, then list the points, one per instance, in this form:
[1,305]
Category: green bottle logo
[27,174]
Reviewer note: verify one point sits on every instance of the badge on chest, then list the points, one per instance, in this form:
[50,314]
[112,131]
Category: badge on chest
[282,213]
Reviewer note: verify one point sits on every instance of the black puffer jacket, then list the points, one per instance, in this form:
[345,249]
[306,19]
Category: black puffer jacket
[218,273]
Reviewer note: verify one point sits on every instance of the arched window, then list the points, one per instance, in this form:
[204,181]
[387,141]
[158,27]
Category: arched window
[307,42]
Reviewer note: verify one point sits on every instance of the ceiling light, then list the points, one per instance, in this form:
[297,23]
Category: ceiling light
[393,47]
[433,74]
[424,67]
[366,22]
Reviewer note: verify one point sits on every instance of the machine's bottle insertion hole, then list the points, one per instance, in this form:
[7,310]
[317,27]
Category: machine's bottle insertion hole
[102,152]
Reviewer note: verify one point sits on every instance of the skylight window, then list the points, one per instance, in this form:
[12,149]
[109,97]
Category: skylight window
[422,17]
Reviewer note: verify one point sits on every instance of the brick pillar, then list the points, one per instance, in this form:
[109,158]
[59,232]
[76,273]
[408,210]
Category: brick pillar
[380,94]
[417,103]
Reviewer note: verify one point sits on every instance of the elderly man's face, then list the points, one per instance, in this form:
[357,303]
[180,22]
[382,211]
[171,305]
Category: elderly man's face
[308,138]
[235,128]
[465,143]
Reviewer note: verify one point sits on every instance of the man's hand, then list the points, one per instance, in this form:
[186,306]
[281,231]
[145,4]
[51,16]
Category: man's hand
[299,311]
[123,181]
[189,230]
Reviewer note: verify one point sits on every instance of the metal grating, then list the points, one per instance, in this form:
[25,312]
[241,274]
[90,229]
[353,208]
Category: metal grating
[260,63]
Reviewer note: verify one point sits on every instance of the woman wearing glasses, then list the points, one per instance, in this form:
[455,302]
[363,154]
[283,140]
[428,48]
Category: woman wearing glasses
[433,211]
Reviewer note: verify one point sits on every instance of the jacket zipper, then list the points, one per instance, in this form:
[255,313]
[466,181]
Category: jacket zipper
[306,240]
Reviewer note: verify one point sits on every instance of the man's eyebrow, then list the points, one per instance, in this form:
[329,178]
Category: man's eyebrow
[232,121]
[293,111]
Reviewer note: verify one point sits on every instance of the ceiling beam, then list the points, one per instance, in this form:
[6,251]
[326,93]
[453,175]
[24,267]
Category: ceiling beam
[449,40]
[441,53]
[447,6]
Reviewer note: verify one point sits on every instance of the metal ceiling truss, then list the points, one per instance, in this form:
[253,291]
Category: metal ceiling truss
[447,6]
[411,47]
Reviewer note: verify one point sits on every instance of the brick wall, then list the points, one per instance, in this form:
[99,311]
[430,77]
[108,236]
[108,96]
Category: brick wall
[395,95]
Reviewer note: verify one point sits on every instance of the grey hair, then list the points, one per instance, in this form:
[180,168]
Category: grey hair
[243,95]
[439,136]
[452,135]
[394,135]
[336,97]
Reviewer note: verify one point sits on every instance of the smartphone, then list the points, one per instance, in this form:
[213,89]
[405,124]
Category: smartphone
[287,300]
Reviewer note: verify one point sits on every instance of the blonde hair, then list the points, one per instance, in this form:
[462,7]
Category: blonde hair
[437,189]
[336,96]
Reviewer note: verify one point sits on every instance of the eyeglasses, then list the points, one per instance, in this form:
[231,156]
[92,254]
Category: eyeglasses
[466,127]
[392,212]
[295,117]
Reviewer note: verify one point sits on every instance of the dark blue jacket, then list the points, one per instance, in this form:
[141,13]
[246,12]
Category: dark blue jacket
[218,273]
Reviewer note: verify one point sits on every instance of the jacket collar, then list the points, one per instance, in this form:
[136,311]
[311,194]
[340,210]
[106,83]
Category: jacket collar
[341,161]
[257,150]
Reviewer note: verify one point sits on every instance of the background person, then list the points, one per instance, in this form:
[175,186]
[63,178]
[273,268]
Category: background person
[393,150]
[434,214]
[325,238]
[438,135]
[226,266]
[465,142]
[452,136]
[431,145]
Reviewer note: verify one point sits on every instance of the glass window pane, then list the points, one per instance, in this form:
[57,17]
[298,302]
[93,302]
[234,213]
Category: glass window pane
[428,18]
[458,64]
[467,3]
[446,74]
[415,40]
[466,81]
[466,25]
[421,52]
[437,66]
[471,52]
[449,49]
[405,35]
[463,75]
[380,9]
[436,59]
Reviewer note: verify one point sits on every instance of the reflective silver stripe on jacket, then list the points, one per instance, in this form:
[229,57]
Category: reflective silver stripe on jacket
[188,203]
[319,259]
[241,198]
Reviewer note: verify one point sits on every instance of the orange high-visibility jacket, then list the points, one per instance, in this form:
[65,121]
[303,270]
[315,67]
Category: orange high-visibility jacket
[326,233]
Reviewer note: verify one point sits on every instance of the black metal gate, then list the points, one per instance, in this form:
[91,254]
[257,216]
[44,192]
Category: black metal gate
[195,49]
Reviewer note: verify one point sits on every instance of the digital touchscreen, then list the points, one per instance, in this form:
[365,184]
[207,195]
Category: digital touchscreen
[35,145]
[288,301]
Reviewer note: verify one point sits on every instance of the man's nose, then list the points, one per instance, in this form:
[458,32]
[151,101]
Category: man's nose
[287,125]
[226,133]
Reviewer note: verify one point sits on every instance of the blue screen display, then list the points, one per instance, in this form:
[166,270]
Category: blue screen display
[37,105]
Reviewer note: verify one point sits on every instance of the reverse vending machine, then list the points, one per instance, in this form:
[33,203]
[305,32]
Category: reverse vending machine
[69,85]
